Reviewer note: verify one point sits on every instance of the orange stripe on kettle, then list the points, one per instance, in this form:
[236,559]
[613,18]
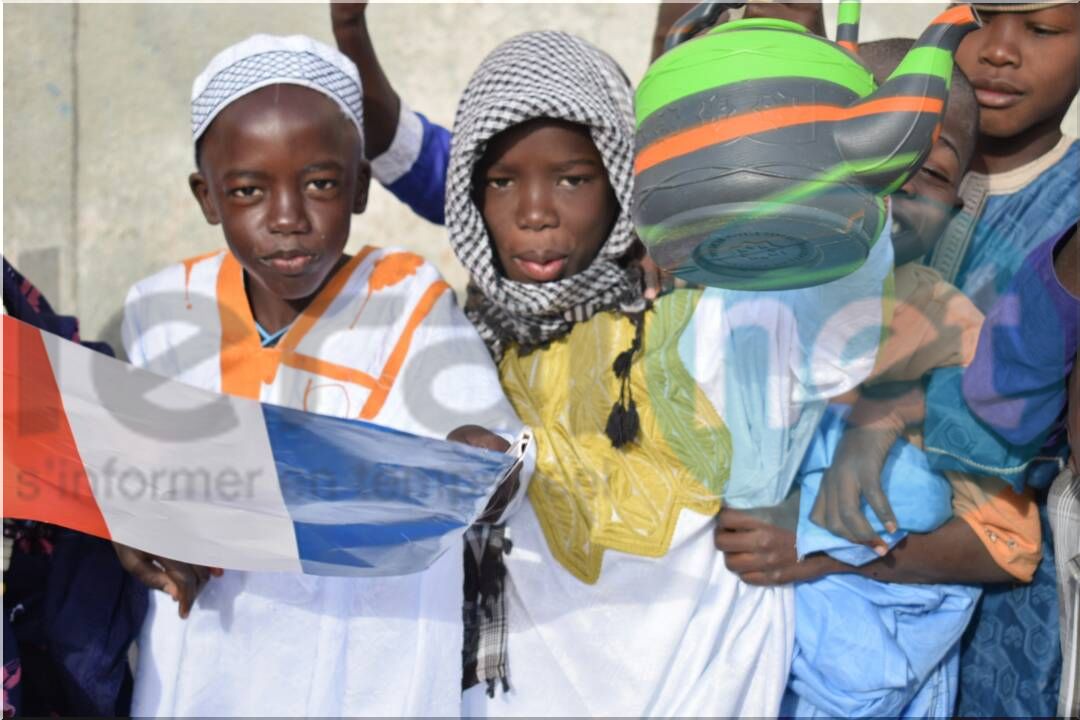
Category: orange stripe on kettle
[718,131]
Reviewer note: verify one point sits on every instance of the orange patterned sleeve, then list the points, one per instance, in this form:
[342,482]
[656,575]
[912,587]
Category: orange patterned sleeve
[1005,521]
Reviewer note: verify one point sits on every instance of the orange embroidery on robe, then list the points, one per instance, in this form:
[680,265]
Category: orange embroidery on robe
[378,396]
[246,365]
[392,269]
[188,265]
[388,271]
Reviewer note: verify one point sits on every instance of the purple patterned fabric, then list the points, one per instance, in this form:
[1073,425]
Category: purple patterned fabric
[1017,381]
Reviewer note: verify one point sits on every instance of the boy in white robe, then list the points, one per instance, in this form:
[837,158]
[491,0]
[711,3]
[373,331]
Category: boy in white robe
[284,316]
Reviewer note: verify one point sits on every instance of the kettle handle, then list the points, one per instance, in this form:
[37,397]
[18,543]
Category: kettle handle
[705,14]
[699,17]
[847,24]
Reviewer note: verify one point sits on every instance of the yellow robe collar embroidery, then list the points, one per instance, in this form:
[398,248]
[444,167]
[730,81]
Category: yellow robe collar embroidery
[588,496]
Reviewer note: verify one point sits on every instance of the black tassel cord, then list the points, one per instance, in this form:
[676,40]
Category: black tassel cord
[623,423]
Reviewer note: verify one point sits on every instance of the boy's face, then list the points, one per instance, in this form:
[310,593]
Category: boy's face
[925,204]
[281,170]
[1025,67]
[546,200]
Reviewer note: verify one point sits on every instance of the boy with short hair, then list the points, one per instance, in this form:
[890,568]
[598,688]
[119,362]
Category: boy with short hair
[286,317]
[1024,189]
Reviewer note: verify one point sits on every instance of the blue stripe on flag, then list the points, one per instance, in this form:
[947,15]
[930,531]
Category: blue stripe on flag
[368,500]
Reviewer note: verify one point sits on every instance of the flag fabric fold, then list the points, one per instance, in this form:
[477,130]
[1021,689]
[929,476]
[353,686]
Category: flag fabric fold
[99,446]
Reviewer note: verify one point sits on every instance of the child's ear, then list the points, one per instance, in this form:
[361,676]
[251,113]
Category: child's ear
[201,190]
[363,184]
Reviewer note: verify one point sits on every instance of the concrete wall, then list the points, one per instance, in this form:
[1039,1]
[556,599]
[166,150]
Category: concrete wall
[96,121]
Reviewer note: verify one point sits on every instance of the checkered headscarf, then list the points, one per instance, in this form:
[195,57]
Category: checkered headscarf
[542,75]
[263,60]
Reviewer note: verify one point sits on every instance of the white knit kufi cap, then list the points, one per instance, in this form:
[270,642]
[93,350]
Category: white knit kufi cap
[263,60]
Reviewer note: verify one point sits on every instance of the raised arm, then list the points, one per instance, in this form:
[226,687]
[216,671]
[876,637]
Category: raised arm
[409,154]
[381,102]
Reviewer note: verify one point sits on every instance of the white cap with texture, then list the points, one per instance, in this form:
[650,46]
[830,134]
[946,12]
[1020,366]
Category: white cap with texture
[263,60]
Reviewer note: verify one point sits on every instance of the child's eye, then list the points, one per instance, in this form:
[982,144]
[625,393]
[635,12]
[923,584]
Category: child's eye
[936,174]
[498,183]
[247,192]
[573,180]
[1044,30]
[322,184]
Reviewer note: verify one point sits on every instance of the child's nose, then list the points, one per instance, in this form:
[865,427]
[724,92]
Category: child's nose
[999,46]
[536,210]
[287,214]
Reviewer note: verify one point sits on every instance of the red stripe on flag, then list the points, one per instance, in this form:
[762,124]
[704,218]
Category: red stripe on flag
[44,478]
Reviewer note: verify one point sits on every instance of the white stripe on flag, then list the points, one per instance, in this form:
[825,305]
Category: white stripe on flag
[205,489]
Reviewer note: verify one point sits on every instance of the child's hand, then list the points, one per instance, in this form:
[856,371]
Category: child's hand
[764,554]
[483,438]
[346,15]
[182,581]
[807,14]
[657,281]
[478,437]
[875,424]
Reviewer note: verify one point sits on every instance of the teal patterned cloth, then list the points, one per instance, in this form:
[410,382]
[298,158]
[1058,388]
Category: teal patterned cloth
[1010,663]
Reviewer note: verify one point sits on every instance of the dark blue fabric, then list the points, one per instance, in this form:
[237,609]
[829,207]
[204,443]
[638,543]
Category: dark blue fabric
[23,301]
[74,613]
[423,187]
[70,608]
[12,672]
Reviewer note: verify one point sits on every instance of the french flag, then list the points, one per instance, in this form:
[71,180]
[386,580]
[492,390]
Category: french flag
[99,446]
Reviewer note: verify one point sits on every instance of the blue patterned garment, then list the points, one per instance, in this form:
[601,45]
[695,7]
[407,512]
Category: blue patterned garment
[1010,662]
[1021,212]
[1011,656]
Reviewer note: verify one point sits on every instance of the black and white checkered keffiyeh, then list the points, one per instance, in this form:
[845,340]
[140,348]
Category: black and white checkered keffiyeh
[542,75]
[535,75]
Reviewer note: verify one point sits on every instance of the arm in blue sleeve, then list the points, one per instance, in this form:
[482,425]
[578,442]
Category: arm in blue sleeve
[414,167]
[996,416]
[956,439]
[1017,382]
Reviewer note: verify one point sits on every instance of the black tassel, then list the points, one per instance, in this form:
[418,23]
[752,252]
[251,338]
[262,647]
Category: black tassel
[622,363]
[623,423]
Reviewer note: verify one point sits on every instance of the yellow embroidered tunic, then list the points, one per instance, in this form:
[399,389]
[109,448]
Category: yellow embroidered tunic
[588,496]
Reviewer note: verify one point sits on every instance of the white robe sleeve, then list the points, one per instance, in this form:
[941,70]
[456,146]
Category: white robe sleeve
[130,329]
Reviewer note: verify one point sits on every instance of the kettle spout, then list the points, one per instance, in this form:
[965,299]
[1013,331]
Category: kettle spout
[890,133]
